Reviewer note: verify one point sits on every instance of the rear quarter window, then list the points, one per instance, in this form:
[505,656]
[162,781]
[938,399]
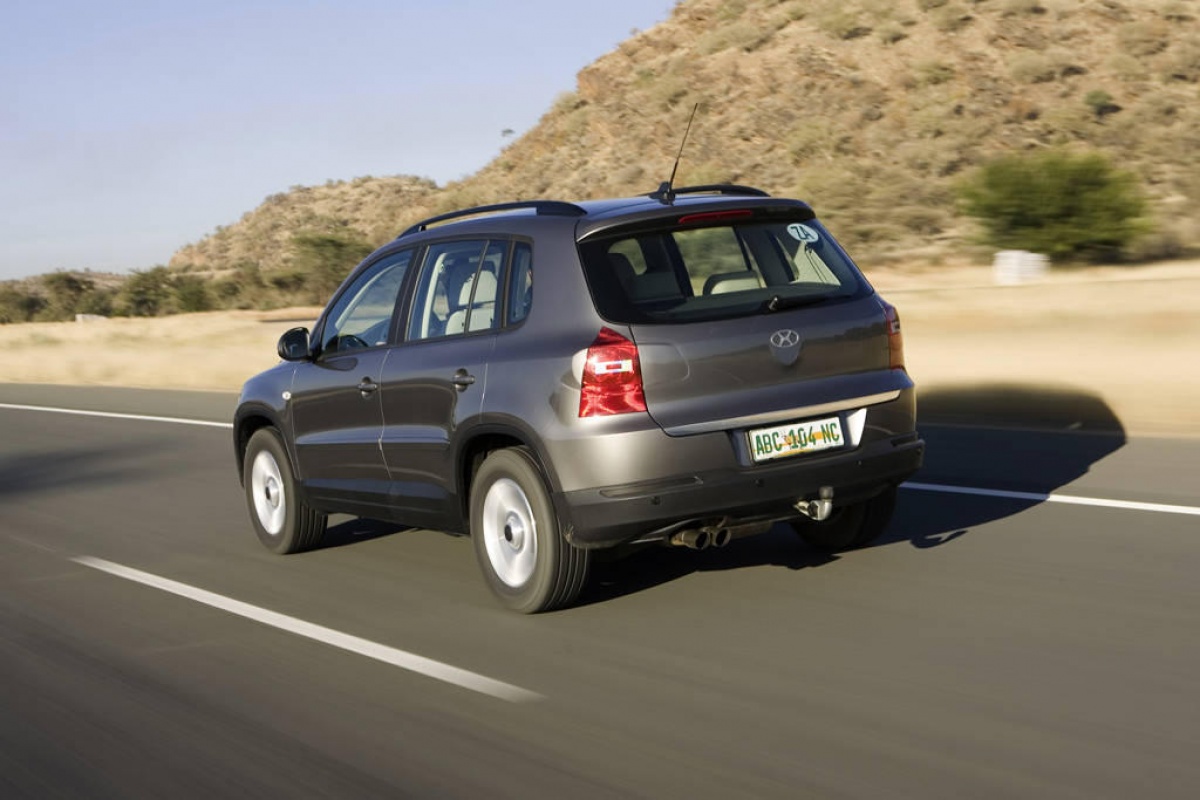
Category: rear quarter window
[679,274]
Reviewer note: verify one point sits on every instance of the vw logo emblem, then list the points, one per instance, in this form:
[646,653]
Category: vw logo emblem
[785,346]
[785,338]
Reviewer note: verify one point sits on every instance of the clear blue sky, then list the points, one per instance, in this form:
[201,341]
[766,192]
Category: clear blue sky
[129,128]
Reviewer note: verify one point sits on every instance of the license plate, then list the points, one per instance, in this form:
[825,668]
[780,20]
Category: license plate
[796,438]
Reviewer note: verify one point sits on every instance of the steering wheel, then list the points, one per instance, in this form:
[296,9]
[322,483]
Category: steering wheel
[347,341]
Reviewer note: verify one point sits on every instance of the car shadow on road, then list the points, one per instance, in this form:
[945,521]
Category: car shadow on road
[74,469]
[344,530]
[1011,438]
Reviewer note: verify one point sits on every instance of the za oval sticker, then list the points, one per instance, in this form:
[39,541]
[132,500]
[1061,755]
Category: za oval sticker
[802,233]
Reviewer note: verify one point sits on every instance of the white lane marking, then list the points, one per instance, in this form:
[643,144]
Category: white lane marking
[113,415]
[1038,497]
[354,644]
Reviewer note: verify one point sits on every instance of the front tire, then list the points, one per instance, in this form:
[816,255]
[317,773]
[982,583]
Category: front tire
[525,560]
[849,527]
[283,522]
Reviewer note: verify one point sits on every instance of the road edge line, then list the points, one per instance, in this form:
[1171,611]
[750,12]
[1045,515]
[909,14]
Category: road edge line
[1041,497]
[116,415]
[403,659]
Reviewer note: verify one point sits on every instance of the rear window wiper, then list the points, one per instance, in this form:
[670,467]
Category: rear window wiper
[778,302]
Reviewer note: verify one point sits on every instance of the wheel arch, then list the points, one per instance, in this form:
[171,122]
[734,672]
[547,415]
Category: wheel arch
[249,421]
[486,438]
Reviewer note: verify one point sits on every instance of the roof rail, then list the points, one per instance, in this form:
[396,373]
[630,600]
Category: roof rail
[708,188]
[555,208]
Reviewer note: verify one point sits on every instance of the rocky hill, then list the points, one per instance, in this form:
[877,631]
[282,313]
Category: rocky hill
[870,109]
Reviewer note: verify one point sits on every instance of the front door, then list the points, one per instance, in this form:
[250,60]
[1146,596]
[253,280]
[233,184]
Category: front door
[336,405]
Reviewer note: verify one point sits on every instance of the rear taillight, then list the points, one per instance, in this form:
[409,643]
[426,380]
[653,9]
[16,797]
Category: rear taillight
[895,338]
[612,377]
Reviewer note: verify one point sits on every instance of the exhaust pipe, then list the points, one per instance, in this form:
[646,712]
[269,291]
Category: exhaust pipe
[818,510]
[693,539]
[718,533]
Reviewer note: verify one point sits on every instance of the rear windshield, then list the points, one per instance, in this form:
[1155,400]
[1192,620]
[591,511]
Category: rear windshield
[717,271]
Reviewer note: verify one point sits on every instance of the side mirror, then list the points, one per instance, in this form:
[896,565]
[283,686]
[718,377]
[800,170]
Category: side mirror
[293,345]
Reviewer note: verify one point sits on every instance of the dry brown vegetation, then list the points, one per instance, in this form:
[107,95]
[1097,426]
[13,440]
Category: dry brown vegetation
[871,109]
[1123,336]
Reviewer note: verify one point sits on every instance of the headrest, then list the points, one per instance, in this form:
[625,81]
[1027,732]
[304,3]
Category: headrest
[486,292]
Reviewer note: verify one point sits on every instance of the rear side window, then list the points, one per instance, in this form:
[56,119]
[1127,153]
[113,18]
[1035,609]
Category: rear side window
[520,290]
[702,273]
[456,292]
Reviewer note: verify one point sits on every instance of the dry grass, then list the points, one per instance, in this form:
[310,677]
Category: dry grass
[1128,335]
[214,350]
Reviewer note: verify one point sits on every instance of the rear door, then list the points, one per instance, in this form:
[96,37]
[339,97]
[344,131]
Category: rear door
[435,381]
[744,322]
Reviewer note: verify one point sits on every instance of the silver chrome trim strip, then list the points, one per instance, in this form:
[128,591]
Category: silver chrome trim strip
[755,420]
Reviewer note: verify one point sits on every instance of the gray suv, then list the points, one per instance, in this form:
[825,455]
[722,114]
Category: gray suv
[681,368]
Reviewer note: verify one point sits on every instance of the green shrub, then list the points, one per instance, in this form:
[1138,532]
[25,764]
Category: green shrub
[1058,203]
[191,294]
[65,291]
[18,306]
[1100,102]
[98,301]
[326,259]
[147,293]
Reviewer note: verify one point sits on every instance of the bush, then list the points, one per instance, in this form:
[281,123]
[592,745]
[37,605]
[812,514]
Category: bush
[949,19]
[931,73]
[18,306]
[191,294]
[147,293]
[1033,68]
[841,23]
[1061,204]
[66,291]
[1143,38]
[1100,102]
[327,259]
[1017,7]
[891,32]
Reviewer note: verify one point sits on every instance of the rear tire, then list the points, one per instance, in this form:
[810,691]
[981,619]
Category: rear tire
[283,522]
[525,560]
[849,527]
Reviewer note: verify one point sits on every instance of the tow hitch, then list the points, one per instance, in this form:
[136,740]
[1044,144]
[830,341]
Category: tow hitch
[818,510]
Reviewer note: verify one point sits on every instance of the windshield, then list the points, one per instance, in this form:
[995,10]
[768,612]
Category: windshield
[715,272]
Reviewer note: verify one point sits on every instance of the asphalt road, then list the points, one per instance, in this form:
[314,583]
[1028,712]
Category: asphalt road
[987,647]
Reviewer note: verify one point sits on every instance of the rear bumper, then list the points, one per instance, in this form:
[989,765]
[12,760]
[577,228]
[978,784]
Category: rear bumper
[618,514]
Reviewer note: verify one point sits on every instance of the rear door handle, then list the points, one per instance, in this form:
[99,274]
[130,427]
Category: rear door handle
[366,386]
[462,379]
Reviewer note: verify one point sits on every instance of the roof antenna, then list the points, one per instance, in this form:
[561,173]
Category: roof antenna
[666,191]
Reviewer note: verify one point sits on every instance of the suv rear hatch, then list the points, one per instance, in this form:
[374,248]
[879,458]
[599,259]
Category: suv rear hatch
[744,318]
